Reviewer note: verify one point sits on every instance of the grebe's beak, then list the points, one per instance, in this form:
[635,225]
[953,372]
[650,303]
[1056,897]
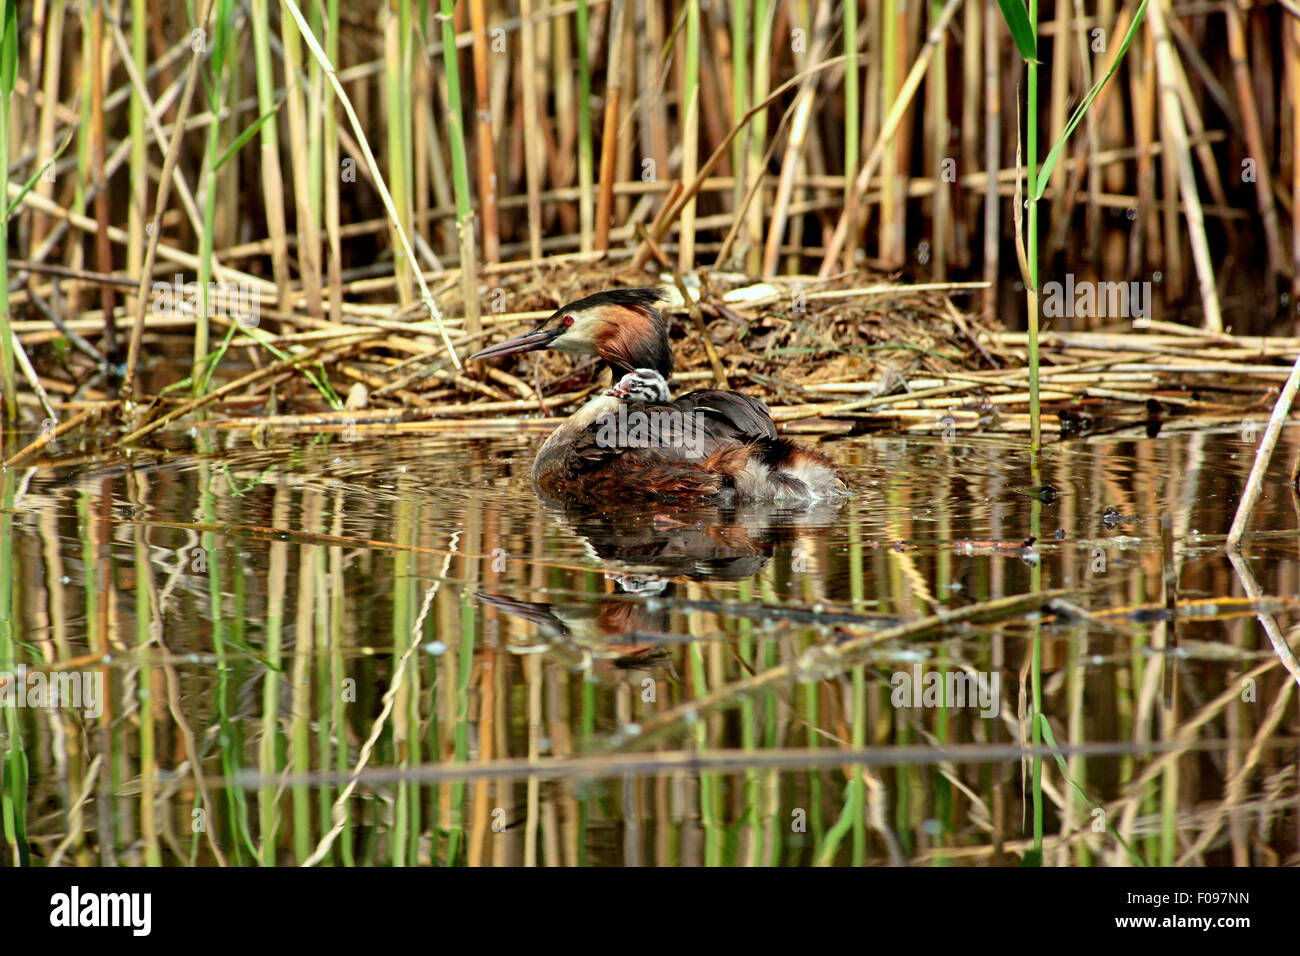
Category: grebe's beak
[617,391]
[528,342]
[539,614]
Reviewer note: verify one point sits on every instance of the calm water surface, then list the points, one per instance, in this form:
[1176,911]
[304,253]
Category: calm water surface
[389,651]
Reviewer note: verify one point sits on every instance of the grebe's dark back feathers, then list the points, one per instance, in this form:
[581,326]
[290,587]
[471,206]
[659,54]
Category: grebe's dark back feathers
[730,414]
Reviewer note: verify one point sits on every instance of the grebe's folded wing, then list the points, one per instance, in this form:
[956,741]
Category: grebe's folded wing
[731,414]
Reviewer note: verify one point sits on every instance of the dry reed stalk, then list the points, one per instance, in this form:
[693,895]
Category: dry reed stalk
[328,68]
[149,114]
[487,176]
[690,105]
[1062,54]
[755,162]
[738,48]
[103,248]
[422,132]
[1255,482]
[531,142]
[1254,143]
[1292,49]
[46,437]
[1172,115]
[802,111]
[176,256]
[45,138]
[872,108]
[609,134]
[294,361]
[966,211]
[940,126]
[887,248]
[306,214]
[1144,238]
[330,167]
[1093,132]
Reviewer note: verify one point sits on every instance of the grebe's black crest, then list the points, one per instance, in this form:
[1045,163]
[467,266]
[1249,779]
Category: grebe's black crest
[644,300]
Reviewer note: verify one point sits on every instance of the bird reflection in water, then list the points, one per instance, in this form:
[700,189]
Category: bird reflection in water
[647,553]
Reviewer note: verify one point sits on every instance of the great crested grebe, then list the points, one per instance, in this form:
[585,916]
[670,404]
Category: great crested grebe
[631,442]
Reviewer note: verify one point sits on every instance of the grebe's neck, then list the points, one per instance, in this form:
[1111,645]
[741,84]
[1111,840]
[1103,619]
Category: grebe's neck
[636,340]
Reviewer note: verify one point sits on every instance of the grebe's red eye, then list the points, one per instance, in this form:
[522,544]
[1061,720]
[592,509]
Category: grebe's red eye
[568,321]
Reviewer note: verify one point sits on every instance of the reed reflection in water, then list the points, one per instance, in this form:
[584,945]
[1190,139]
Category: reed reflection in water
[390,652]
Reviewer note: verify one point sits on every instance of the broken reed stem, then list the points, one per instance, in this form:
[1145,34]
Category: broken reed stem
[292,361]
[1255,483]
[50,435]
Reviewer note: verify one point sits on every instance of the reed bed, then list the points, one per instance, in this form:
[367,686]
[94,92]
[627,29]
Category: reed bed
[386,187]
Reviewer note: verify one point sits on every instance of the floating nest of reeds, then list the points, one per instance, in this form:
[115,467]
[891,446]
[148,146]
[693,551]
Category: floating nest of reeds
[774,337]
[857,352]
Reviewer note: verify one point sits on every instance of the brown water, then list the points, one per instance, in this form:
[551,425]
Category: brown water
[388,651]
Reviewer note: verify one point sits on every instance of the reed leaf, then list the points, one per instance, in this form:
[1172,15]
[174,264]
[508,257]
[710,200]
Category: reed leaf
[1082,110]
[1023,33]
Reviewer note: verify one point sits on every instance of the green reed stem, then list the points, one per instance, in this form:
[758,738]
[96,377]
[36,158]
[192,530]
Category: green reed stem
[690,134]
[223,22]
[739,93]
[852,110]
[586,149]
[1035,420]
[8,75]
[397,91]
[764,12]
[13,768]
[459,163]
[1031,243]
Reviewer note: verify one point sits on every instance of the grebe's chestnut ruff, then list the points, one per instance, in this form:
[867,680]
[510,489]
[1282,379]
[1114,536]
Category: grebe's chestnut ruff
[708,443]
